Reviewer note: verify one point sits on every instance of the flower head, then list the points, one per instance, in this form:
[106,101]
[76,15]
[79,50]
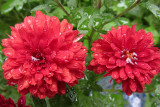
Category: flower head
[128,56]
[43,55]
[10,103]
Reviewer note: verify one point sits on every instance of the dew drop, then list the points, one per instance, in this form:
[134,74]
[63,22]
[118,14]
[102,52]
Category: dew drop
[76,99]
[91,94]
[86,77]
[12,83]
[72,88]
[66,61]
[20,86]
[67,91]
[29,82]
[71,95]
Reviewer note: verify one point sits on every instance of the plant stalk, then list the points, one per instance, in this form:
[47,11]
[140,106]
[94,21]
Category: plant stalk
[122,13]
[61,6]
[113,90]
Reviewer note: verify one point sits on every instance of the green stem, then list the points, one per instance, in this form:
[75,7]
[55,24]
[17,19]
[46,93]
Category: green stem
[99,4]
[29,5]
[79,3]
[148,91]
[113,90]
[157,2]
[1,88]
[121,14]
[22,15]
[40,2]
[61,6]
[15,12]
[99,77]
[114,84]
[47,101]
[90,38]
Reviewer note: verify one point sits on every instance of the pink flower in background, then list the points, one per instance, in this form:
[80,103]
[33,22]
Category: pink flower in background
[10,103]
[43,54]
[128,56]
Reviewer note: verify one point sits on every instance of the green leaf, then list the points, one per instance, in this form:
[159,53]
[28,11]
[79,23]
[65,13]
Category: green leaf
[96,99]
[87,18]
[84,25]
[123,21]
[60,101]
[157,91]
[4,30]
[71,94]
[97,23]
[68,99]
[109,25]
[86,43]
[7,7]
[10,4]
[107,17]
[72,3]
[121,5]
[96,87]
[138,9]
[152,8]
[58,12]
[44,7]
[39,102]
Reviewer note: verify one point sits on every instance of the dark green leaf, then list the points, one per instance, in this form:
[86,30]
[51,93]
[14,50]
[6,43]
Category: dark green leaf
[71,94]
[59,12]
[152,8]
[39,102]
[43,7]
[60,101]
[96,99]
[72,3]
[7,7]
[10,4]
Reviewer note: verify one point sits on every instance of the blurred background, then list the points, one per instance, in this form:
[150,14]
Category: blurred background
[87,16]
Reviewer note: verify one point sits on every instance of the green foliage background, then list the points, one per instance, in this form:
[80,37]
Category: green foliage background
[87,16]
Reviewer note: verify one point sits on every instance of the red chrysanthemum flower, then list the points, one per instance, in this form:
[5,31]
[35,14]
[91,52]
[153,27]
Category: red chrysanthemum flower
[128,56]
[43,55]
[10,103]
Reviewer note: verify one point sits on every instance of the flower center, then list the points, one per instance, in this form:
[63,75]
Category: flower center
[131,57]
[37,57]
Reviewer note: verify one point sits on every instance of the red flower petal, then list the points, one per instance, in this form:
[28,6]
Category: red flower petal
[123,75]
[38,76]
[133,85]
[22,101]
[129,71]
[115,74]
[9,52]
[143,65]
[64,56]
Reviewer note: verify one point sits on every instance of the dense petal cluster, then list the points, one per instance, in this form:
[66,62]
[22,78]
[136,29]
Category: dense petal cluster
[10,103]
[43,54]
[128,56]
